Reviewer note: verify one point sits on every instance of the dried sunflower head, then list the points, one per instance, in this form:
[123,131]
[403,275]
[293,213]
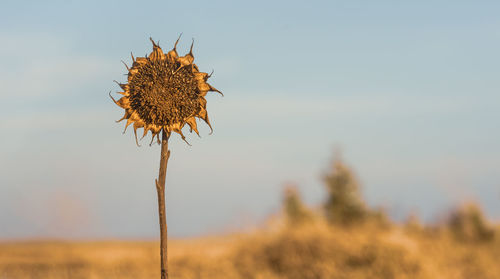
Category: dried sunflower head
[164,91]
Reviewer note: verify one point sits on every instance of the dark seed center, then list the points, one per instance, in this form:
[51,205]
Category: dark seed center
[163,94]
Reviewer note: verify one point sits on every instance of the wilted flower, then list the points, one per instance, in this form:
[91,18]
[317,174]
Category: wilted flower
[164,92]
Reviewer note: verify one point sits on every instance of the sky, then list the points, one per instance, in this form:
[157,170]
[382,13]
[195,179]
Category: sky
[408,91]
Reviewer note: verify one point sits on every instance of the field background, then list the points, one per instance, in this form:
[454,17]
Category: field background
[315,250]
[343,237]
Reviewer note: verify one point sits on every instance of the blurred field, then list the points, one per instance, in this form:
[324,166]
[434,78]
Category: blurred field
[106,259]
[312,250]
[341,238]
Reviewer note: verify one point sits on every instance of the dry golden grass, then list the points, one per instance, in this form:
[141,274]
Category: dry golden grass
[314,250]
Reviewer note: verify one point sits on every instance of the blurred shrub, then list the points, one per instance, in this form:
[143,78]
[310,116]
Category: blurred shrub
[318,252]
[296,212]
[468,223]
[413,224]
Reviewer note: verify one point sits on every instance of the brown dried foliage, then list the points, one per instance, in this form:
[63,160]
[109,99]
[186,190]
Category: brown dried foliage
[164,91]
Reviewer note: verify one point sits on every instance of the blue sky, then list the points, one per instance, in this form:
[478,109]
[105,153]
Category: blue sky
[408,90]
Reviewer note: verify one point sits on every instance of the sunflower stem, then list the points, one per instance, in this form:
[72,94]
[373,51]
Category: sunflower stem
[160,188]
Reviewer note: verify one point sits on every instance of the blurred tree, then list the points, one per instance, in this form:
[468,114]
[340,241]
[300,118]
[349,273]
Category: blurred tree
[344,204]
[468,223]
[295,210]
